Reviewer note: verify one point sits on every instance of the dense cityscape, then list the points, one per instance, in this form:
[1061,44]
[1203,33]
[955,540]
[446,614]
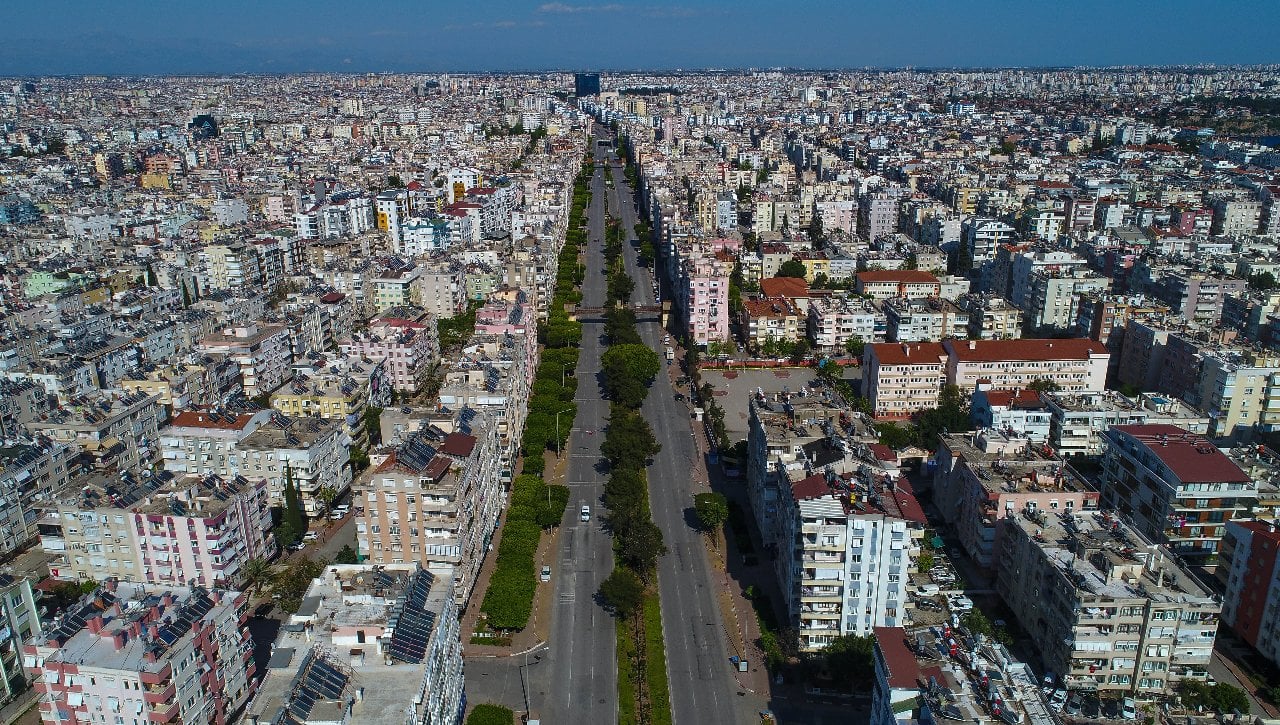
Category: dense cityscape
[760,396]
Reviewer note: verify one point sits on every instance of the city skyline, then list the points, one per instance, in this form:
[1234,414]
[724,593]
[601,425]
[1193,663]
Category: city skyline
[289,37]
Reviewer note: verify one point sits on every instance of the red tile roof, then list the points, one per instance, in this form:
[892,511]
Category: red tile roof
[332,298]
[814,486]
[1024,349]
[784,287]
[908,505]
[894,353]
[1021,398]
[459,445]
[901,276]
[1190,456]
[903,670]
[201,419]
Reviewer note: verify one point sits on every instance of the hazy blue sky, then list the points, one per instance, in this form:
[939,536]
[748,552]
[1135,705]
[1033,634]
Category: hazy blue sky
[144,36]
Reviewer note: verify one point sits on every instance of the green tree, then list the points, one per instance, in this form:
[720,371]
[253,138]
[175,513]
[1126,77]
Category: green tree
[293,520]
[289,585]
[850,660]
[1262,281]
[255,573]
[491,715]
[635,361]
[394,181]
[712,510]
[1044,385]
[816,233]
[346,555]
[622,591]
[799,350]
[629,440]
[855,346]
[642,547]
[792,268]
[327,495]
[925,562]
[894,435]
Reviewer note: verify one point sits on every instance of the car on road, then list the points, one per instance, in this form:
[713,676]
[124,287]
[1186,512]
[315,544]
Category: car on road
[546,574]
[585,514]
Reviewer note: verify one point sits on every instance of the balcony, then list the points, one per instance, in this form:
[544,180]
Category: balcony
[160,693]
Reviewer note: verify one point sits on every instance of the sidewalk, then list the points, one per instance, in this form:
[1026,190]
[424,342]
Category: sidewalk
[14,711]
[741,627]
[539,628]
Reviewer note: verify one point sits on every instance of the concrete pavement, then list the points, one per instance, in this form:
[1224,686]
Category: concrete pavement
[577,681]
[703,689]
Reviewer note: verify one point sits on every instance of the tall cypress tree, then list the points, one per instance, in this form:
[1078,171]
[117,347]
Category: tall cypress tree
[292,517]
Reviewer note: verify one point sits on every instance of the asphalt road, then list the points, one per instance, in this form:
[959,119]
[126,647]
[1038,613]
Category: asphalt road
[703,689]
[576,681]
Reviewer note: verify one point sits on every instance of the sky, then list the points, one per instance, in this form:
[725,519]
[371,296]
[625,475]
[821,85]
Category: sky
[48,37]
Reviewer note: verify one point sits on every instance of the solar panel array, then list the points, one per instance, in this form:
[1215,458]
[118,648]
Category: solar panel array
[465,416]
[411,622]
[317,681]
[415,454]
[190,611]
[78,614]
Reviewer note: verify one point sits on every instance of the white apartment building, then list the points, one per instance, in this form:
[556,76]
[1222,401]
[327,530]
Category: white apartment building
[833,320]
[263,352]
[1076,365]
[311,453]
[371,644]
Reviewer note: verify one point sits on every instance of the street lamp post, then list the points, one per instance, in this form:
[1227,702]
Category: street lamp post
[559,448]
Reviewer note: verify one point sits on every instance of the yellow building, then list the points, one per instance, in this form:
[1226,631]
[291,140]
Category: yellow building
[814,266]
[157,181]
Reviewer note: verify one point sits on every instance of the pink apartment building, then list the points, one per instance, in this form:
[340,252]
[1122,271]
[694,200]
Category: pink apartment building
[139,653]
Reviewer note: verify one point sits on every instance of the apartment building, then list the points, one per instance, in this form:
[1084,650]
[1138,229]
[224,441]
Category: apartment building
[901,379]
[1249,569]
[113,429]
[833,320]
[985,477]
[407,342]
[30,471]
[886,284]
[772,318]
[1196,296]
[1076,365]
[1111,611]
[145,653]
[371,644]
[1174,487]
[1007,411]
[1240,390]
[702,291]
[991,317]
[207,441]
[309,453]
[847,530]
[184,386]
[263,353]
[853,541]
[895,696]
[395,287]
[1077,420]
[423,503]
[924,320]
[336,388]
[160,529]
[20,615]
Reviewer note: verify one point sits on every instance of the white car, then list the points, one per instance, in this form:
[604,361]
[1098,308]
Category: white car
[1058,700]
[585,514]
[927,590]
[546,574]
[960,604]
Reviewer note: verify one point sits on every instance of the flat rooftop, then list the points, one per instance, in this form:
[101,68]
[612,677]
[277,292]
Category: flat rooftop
[1008,464]
[194,495]
[733,390]
[130,620]
[359,628]
[1106,558]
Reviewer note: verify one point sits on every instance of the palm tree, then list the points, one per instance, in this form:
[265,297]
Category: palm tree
[255,573]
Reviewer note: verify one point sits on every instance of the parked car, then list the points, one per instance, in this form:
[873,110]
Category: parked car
[546,574]
[336,515]
[311,537]
[927,590]
[960,604]
[585,514]
[1128,709]
[297,547]
[1058,700]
